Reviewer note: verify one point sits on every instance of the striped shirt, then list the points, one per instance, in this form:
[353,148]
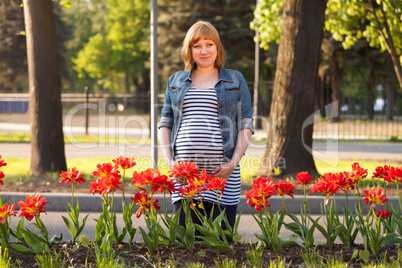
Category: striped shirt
[200,139]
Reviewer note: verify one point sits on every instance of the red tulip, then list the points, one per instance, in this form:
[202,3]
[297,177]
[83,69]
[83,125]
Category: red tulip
[358,173]
[146,177]
[34,206]
[383,214]
[394,174]
[381,172]
[71,176]
[186,169]
[200,180]
[264,187]
[2,162]
[303,178]
[5,212]
[256,200]
[217,184]
[124,162]
[164,184]
[285,188]
[375,197]
[326,185]
[190,191]
[145,202]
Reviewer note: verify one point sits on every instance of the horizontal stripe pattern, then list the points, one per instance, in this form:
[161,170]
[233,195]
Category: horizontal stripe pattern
[200,139]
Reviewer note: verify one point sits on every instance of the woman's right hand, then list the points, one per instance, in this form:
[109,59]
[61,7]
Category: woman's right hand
[180,179]
[171,163]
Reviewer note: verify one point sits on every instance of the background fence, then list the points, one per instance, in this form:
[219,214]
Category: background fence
[354,124]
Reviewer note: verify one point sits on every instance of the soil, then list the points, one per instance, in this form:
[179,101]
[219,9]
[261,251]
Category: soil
[166,256]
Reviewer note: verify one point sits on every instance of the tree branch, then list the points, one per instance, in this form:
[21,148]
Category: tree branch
[389,42]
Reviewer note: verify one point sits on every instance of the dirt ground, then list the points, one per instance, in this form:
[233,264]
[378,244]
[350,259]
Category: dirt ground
[168,256]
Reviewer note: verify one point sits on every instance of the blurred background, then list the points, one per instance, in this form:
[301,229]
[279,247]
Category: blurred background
[104,46]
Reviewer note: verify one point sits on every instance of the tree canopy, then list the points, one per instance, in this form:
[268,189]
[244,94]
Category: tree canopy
[121,46]
[379,22]
[231,18]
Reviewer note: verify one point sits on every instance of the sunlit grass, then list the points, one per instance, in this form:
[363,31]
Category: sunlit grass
[14,137]
[250,166]
[26,138]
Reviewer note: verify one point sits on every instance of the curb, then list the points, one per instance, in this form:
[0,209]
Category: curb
[93,203]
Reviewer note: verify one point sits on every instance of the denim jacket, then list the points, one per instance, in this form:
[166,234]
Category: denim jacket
[234,106]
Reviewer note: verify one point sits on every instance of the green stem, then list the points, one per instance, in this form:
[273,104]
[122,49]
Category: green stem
[399,196]
[335,207]
[305,205]
[123,195]
[164,203]
[112,209]
[359,198]
[4,240]
[347,206]
[72,194]
[217,200]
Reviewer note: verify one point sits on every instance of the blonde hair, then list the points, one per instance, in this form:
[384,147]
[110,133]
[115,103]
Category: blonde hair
[201,30]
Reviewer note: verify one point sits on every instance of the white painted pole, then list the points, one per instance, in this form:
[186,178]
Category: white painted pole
[256,79]
[154,84]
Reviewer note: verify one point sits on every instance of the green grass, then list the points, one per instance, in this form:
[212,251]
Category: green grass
[26,138]
[14,137]
[251,165]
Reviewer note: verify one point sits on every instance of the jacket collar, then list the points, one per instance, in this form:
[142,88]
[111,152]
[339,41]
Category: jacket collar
[223,76]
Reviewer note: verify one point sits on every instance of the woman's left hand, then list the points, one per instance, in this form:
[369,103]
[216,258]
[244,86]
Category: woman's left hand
[224,170]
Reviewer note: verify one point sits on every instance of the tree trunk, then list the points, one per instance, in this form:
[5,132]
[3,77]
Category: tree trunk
[126,88]
[47,142]
[143,87]
[390,89]
[290,135]
[336,88]
[370,96]
[386,35]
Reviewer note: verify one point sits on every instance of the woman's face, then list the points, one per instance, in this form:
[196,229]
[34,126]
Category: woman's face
[204,53]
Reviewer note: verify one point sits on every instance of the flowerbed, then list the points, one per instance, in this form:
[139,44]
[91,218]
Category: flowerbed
[380,228]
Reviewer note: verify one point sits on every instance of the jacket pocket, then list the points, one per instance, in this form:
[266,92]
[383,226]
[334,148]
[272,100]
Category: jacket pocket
[232,95]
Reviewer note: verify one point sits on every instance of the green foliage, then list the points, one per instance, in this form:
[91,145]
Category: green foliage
[270,225]
[13,63]
[37,243]
[311,257]
[350,21]
[212,233]
[52,260]
[5,259]
[113,39]
[107,259]
[347,20]
[254,255]
[278,263]
[226,263]
[194,265]
[268,21]
[73,223]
